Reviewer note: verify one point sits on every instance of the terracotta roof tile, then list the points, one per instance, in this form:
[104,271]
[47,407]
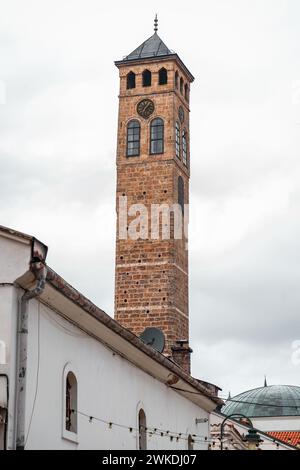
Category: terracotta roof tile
[290,437]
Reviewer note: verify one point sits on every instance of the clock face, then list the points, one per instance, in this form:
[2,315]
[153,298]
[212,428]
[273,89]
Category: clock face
[145,108]
[181,114]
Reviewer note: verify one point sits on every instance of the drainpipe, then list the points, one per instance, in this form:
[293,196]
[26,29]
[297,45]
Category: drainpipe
[39,270]
[6,411]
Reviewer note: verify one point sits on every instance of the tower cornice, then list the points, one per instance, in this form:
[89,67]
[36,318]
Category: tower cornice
[149,60]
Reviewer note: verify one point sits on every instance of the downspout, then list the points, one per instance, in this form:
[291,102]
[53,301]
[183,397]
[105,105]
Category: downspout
[39,270]
[6,412]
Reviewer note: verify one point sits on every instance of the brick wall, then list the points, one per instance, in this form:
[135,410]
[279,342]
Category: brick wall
[152,275]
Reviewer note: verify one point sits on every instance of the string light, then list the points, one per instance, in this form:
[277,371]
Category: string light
[150,431]
[211,441]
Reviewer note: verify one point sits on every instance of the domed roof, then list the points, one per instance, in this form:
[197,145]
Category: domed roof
[272,400]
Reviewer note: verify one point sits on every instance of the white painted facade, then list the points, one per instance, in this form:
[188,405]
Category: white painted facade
[109,387]
[115,379]
[277,423]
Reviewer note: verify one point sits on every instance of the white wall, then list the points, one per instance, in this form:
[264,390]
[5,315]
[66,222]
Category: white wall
[281,423]
[109,387]
[14,262]
[8,329]
[14,259]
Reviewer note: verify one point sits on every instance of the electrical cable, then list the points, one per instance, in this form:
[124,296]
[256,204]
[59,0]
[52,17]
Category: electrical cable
[62,327]
[196,438]
[240,401]
[37,376]
[156,431]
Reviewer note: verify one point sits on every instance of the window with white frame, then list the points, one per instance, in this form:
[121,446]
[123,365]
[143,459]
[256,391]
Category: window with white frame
[70,404]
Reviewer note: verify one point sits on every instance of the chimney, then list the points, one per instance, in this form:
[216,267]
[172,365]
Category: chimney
[181,354]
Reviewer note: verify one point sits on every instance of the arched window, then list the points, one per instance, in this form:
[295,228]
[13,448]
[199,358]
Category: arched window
[157,136]
[177,140]
[176,80]
[181,85]
[184,147]
[130,80]
[142,430]
[163,76]
[181,193]
[147,78]
[190,442]
[71,403]
[133,138]
[186,91]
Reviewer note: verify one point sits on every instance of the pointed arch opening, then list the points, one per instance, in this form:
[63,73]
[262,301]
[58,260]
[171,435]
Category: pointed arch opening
[71,403]
[190,442]
[181,85]
[176,79]
[181,193]
[186,92]
[163,76]
[142,430]
[157,136]
[147,78]
[130,80]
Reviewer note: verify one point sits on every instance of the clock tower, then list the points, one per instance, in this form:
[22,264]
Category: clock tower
[153,170]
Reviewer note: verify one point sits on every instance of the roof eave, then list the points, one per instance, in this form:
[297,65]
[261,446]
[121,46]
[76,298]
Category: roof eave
[15,235]
[38,249]
[141,60]
[187,384]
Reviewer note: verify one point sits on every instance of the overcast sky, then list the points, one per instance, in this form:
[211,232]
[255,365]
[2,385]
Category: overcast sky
[57,153]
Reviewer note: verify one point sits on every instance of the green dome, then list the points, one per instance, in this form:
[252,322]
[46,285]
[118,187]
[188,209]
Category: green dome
[272,400]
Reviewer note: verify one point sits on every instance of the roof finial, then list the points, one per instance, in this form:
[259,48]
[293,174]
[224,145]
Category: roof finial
[155,24]
[265,382]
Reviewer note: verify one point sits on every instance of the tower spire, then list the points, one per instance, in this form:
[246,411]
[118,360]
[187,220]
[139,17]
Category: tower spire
[265,382]
[155,24]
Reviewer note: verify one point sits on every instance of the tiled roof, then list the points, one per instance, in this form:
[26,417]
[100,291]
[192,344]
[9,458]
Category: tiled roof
[290,437]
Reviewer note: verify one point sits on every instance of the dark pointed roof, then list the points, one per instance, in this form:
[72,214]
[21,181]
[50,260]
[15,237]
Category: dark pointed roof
[152,47]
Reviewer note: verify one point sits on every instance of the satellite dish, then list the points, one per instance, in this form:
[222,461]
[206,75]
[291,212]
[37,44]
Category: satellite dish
[154,337]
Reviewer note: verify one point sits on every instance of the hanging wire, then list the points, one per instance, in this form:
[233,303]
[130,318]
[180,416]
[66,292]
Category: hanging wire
[151,431]
[243,401]
[197,438]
